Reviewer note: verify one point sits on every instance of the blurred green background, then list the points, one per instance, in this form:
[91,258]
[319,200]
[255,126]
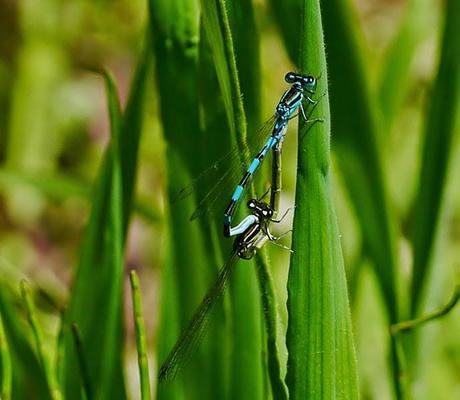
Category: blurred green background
[54,129]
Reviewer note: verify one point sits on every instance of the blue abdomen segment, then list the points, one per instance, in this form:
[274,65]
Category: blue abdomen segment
[237,193]
[277,134]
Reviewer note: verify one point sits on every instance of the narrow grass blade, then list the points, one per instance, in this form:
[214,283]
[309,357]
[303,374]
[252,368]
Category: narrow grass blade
[269,307]
[6,375]
[217,26]
[54,390]
[321,361]
[396,70]
[82,362]
[140,336]
[247,53]
[26,366]
[438,134]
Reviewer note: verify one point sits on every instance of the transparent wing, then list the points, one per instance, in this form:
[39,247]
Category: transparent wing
[196,328]
[218,181]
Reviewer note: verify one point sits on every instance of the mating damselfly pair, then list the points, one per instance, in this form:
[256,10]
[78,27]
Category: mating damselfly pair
[254,230]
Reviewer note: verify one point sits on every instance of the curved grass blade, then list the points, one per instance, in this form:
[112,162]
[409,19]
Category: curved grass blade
[196,328]
[140,336]
[5,365]
[439,133]
[321,361]
[405,326]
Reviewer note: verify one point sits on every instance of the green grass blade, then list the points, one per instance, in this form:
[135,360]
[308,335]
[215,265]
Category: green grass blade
[97,284]
[217,27]
[355,139]
[321,361]
[247,52]
[140,337]
[405,326]
[269,307]
[439,133]
[98,281]
[357,148]
[247,374]
[54,389]
[396,71]
[131,128]
[26,367]
[82,362]
[6,375]
[176,40]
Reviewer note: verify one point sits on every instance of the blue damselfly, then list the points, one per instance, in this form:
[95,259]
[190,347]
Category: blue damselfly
[225,173]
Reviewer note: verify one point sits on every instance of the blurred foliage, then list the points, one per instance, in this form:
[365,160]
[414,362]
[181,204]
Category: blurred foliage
[79,152]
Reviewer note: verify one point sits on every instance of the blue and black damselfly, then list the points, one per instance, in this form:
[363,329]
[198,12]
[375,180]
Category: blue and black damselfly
[225,171]
[256,232]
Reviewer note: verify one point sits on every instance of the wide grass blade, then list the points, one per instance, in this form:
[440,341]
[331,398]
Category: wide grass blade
[355,140]
[439,134]
[176,39]
[6,374]
[321,361]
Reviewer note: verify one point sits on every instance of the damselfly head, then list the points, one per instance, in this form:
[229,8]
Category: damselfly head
[307,82]
[260,208]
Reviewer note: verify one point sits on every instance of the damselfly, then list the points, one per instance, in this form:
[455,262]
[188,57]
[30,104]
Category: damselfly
[225,173]
[255,232]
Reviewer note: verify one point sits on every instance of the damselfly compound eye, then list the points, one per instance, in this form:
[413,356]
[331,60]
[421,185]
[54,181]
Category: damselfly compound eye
[290,77]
